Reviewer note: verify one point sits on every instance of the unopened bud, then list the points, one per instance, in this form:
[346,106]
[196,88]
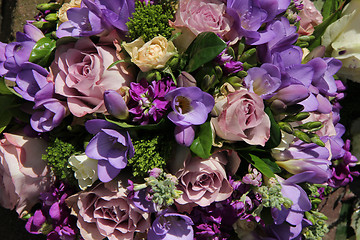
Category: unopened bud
[48,6]
[51,17]
[298,117]
[302,136]
[246,55]
[311,126]
[115,104]
[316,139]
[286,127]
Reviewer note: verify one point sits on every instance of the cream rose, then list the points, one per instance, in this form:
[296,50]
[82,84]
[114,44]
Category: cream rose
[341,40]
[150,55]
[66,6]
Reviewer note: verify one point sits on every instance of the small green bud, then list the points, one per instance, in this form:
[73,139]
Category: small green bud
[302,136]
[311,126]
[320,215]
[306,38]
[310,217]
[231,52]
[48,6]
[298,117]
[241,74]
[316,139]
[316,201]
[246,55]
[43,24]
[51,17]
[247,66]
[218,72]
[46,228]
[153,75]
[235,81]
[208,82]
[174,62]
[241,48]
[286,127]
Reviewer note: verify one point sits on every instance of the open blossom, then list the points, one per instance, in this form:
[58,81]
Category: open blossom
[85,170]
[111,146]
[340,39]
[153,54]
[80,73]
[106,211]
[147,100]
[205,181]
[23,174]
[242,118]
[190,105]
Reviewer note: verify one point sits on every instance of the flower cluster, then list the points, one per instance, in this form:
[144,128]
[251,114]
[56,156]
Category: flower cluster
[174,119]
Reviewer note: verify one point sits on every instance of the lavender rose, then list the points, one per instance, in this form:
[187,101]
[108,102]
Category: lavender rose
[242,118]
[23,174]
[205,181]
[80,73]
[106,211]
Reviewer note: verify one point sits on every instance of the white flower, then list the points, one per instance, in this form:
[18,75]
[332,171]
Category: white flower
[85,169]
[341,39]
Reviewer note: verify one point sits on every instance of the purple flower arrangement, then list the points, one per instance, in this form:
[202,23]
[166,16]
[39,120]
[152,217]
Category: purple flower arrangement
[181,119]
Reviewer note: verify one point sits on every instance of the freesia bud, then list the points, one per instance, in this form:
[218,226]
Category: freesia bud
[186,80]
[115,104]
[184,135]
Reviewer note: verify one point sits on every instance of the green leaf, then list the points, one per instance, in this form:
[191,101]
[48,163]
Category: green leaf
[261,164]
[136,127]
[275,133]
[355,223]
[205,47]
[43,52]
[320,29]
[343,222]
[4,89]
[202,144]
[5,118]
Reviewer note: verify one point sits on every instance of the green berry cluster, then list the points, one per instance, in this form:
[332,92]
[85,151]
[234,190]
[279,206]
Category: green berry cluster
[149,21]
[57,157]
[150,152]
[272,196]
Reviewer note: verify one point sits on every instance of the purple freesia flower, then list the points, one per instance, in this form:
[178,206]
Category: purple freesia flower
[33,86]
[94,17]
[147,100]
[306,159]
[171,226]
[14,54]
[293,215]
[263,80]
[190,105]
[111,145]
[31,82]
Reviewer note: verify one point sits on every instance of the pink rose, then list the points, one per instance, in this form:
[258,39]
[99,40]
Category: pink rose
[205,181]
[80,73]
[23,174]
[197,16]
[106,211]
[309,18]
[242,118]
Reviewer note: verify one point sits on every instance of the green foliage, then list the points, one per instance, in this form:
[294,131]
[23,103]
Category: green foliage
[202,144]
[319,228]
[150,152]
[43,52]
[57,157]
[205,47]
[149,21]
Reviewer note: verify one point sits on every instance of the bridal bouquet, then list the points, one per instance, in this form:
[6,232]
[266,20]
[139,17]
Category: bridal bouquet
[175,119]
